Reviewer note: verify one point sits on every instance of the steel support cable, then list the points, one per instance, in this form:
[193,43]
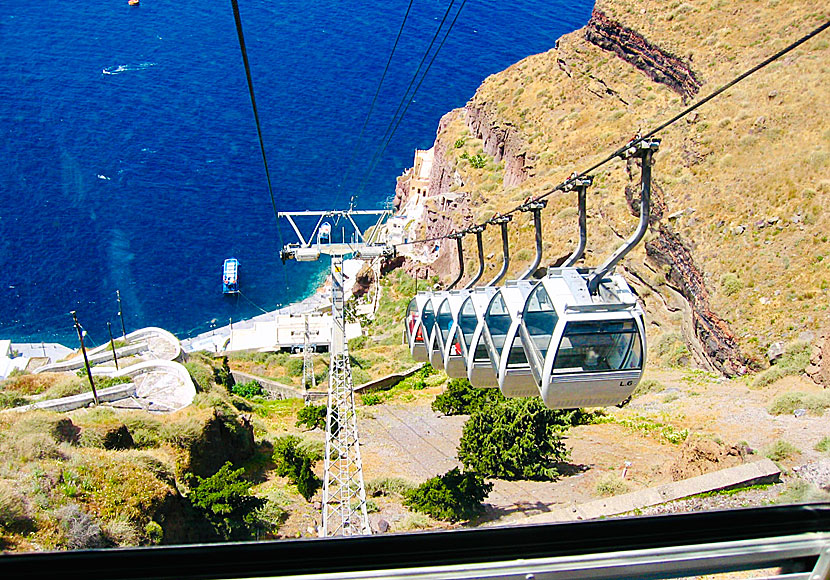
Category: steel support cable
[640,138]
[243,49]
[407,99]
[374,102]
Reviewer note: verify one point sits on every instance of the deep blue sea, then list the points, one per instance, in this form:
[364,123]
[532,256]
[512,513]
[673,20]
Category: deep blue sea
[129,156]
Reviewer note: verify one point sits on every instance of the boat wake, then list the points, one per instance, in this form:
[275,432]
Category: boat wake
[122,68]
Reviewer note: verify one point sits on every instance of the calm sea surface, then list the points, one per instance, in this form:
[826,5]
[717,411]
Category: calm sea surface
[129,157]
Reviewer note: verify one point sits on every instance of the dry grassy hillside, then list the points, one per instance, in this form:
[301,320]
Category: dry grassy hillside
[742,184]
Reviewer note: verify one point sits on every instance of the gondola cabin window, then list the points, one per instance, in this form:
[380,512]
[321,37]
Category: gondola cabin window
[599,346]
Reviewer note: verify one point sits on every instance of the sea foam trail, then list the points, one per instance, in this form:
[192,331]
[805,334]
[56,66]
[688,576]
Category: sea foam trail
[122,68]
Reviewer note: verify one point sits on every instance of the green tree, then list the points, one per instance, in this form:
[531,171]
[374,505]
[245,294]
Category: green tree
[312,417]
[222,374]
[516,439]
[297,463]
[461,398]
[452,496]
[226,501]
[247,390]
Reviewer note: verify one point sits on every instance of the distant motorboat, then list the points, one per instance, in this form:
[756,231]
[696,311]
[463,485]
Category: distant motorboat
[230,276]
[133,2]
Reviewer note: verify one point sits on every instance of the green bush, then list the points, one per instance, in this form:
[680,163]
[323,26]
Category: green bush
[225,500]
[102,382]
[312,417]
[787,403]
[800,491]
[611,484]
[517,439]
[780,450]
[371,399]
[294,367]
[358,343]
[461,398]
[360,376]
[9,400]
[648,386]
[222,374]
[296,463]
[201,374]
[671,349]
[388,486]
[247,390]
[730,284]
[823,446]
[453,496]
[795,359]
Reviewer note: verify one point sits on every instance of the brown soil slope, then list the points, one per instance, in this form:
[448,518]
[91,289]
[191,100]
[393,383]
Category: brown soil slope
[737,254]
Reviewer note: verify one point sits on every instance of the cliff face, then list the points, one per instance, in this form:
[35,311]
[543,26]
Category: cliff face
[739,225]
[631,46]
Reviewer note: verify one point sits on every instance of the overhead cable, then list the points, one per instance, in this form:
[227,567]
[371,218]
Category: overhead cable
[374,100]
[244,51]
[407,98]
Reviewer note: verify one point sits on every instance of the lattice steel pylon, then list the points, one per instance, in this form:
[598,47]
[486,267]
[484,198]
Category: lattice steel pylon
[344,491]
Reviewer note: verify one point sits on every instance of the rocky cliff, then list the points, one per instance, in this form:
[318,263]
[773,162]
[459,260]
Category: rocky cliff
[740,227]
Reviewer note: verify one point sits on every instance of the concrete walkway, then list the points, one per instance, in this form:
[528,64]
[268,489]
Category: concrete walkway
[764,471]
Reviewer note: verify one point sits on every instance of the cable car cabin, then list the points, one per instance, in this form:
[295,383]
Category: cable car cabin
[515,376]
[453,340]
[414,329]
[480,370]
[434,343]
[585,351]
[443,325]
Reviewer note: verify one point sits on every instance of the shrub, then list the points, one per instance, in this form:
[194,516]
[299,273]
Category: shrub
[358,343]
[795,359]
[14,509]
[247,390]
[80,529]
[800,491]
[225,500]
[145,429]
[294,367]
[102,382]
[611,484]
[296,463]
[671,349]
[312,417]
[201,374]
[517,439]
[452,496]
[222,374]
[789,402]
[9,400]
[360,376]
[648,386]
[388,486]
[371,399]
[461,398]
[154,532]
[823,446]
[780,450]
[730,284]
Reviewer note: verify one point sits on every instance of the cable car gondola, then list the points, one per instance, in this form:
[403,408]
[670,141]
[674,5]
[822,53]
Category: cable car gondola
[586,350]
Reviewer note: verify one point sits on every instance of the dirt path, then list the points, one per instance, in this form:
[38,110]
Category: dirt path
[410,440]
